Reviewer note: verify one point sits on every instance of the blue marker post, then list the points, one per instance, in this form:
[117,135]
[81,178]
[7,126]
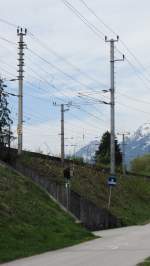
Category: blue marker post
[112,181]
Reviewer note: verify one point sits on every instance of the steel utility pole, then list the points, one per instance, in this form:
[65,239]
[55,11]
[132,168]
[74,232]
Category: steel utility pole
[63,110]
[62,135]
[112,104]
[21,45]
[124,134]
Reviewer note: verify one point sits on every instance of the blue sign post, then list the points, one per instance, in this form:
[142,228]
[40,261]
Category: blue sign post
[111,181]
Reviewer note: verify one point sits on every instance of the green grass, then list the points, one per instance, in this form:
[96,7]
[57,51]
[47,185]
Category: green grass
[141,165]
[30,222]
[145,263]
[130,198]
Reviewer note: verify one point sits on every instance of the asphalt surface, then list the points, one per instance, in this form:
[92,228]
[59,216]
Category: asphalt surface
[117,247]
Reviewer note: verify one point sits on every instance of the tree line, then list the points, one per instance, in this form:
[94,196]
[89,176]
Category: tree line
[6,134]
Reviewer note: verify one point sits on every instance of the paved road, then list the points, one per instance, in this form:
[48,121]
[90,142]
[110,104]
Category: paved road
[118,247]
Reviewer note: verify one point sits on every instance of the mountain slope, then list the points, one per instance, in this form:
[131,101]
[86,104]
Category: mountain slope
[88,152]
[139,143]
[30,222]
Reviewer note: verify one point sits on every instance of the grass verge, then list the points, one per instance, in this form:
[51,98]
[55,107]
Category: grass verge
[30,222]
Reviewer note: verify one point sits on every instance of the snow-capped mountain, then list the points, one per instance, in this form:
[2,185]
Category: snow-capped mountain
[88,152]
[139,143]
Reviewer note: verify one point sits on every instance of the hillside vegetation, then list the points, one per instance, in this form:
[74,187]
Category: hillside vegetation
[145,263]
[30,222]
[130,198]
[141,165]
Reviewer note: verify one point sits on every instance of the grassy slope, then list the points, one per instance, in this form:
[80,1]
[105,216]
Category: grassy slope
[141,165]
[130,198]
[30,222]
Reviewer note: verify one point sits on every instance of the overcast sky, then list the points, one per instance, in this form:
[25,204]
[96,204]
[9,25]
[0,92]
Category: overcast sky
[76,60]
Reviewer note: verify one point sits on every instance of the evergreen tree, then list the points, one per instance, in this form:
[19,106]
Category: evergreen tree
[103,153]
[5,120]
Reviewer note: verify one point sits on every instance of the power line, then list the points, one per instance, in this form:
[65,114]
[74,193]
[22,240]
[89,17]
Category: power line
[126,105]
[65,60]
[8,72]
[8,41]
[139,75]
[8,23]
[83,110]
[86,86]
[12,75]
[62,57]
[134,99]
[63,93]
[56,88]
[28,114]
[100,20]
[114,32]
[124,95]
[66,95]
[133,108]
[87,123]
[91,26]
[60,70]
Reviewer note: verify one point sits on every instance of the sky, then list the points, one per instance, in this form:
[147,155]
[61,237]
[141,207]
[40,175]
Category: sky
[65,58]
